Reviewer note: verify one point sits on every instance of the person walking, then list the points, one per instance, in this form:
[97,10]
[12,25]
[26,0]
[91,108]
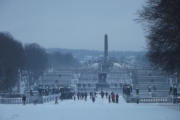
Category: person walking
[109,98]
[113,98]
[85,95]
[117,98]
[91,95]
[24,99]
[93,98]
[78,95]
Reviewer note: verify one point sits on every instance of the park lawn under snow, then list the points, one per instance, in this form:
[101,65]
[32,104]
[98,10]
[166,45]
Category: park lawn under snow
[81,110]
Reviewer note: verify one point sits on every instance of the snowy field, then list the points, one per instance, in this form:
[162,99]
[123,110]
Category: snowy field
[81,110]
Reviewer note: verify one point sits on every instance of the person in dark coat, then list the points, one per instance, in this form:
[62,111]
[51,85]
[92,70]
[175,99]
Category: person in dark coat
[85,95]
[93,98]
[113,98]
[109,98]
[78,95]
[24,99]
[117,98]
[90,95]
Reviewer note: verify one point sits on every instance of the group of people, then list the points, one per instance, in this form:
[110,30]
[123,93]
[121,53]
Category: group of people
[84,95]
[81,96]
[112,97]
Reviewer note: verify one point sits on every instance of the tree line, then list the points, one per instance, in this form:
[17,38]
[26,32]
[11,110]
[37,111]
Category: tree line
[59,60]
[16,58]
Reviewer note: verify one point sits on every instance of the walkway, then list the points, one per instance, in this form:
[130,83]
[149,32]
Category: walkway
[81,110]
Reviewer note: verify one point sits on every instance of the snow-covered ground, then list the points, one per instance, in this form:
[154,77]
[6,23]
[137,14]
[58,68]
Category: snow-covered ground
[81,110]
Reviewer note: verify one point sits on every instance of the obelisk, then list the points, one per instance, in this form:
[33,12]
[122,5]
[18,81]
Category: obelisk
[105,48]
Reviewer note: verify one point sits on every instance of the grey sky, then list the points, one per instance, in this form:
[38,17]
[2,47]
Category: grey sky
[76,24]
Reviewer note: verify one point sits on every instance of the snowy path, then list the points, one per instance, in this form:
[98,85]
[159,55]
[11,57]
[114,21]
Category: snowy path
[81,110]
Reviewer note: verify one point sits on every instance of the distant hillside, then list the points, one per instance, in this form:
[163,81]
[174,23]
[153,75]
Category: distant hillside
[82,55]
[79,53]
[76,52]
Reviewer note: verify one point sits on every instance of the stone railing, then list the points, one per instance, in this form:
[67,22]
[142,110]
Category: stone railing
[144,99]
[154,100]
[29,100]
[10,100]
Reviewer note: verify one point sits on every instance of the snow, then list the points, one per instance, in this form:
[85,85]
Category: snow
[86,110]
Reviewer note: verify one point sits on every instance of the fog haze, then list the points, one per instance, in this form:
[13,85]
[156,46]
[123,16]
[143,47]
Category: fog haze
[75,24]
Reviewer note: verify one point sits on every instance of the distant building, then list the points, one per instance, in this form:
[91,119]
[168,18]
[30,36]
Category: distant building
[59,79]
[87,80]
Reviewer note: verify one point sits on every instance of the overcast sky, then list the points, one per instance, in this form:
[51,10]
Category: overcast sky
[76,24]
